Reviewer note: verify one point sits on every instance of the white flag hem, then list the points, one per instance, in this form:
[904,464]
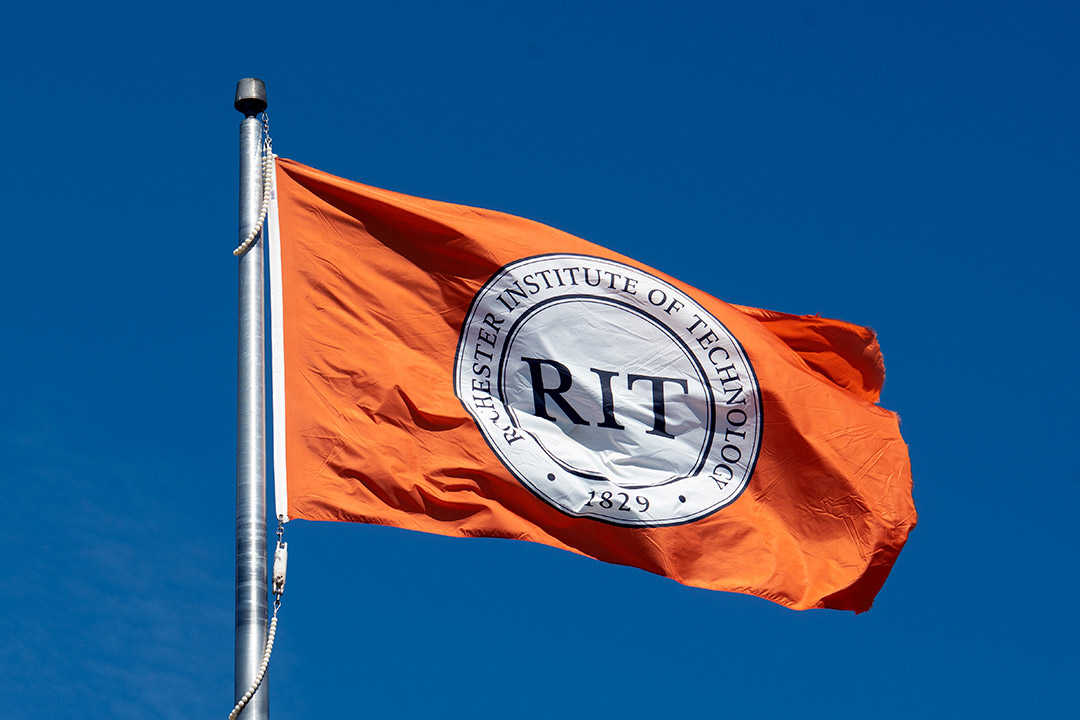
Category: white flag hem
[277,356]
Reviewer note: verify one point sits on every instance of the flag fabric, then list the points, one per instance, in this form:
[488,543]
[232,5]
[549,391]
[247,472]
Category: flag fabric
[469,373]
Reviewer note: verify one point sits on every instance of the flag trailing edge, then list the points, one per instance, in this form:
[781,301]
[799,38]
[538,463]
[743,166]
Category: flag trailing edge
[469,373]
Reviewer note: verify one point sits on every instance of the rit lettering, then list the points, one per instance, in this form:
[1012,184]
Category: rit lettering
[542,394]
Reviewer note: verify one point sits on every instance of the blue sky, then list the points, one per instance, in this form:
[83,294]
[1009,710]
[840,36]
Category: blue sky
[911,167]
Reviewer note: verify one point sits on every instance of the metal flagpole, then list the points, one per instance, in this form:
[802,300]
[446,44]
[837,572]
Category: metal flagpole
[251,587]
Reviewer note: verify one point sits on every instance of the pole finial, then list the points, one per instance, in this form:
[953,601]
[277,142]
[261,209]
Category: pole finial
[250,96]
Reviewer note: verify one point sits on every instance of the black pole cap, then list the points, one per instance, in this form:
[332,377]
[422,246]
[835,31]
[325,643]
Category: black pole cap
[250,96]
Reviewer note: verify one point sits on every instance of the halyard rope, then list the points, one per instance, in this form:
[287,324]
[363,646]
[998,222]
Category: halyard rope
[267,168]
[281,557]
[262,668]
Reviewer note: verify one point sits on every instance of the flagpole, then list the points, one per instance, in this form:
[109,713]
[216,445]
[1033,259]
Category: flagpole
[251,543]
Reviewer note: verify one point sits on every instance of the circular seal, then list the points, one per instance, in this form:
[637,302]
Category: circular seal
[608,392]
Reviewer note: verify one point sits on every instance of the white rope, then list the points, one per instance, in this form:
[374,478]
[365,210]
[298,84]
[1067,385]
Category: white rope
[262,668]
[267,168]
[281,557]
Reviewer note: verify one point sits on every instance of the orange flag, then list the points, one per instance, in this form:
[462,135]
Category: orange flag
[464,372]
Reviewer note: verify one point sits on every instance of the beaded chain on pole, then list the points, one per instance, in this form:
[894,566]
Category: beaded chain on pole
[281,558]
[267,168]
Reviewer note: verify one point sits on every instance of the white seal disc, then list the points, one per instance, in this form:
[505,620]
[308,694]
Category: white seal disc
[608,392]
